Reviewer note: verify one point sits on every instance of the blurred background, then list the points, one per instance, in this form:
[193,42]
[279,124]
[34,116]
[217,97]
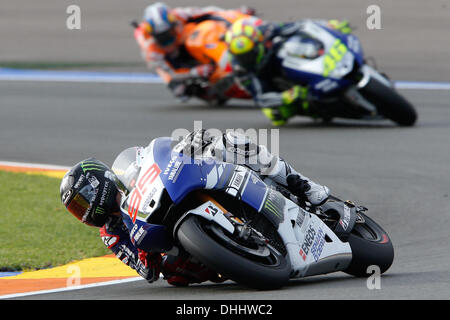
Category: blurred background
[413,33]
[400,174]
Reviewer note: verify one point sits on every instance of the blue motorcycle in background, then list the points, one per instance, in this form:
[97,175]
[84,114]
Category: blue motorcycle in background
[232,221]
[341,83]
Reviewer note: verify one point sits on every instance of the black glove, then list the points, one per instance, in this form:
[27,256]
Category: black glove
[298,186]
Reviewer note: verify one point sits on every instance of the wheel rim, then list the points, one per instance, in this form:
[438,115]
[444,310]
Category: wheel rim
[263,254]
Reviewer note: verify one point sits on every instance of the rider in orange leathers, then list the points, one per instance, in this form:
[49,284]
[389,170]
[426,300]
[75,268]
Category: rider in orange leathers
[161,36]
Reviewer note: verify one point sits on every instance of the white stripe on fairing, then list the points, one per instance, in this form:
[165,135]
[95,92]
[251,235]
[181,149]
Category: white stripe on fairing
[151,78]
[71,288]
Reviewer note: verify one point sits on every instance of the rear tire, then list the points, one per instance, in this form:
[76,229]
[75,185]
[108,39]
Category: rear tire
[389,103]
[195,239]
[370,245]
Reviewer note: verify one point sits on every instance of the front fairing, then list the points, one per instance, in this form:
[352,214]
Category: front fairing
[325,74]
[165,170]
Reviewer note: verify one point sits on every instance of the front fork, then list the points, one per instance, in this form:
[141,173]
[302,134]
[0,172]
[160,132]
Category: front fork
[354,96]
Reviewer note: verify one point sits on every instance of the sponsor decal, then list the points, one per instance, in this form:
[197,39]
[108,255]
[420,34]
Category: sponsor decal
[91,166]
[139,235]
[173,169]
[237,180]
[307,242]
[318,244]
[346,219]
[274,204]
[211,209]
[93,181]
[79,182]
[313,243]
[104,193]
[110,240]
[149,198]
[300,218]
[66,196]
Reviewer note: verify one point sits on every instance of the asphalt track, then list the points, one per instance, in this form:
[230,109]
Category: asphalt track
[400,174]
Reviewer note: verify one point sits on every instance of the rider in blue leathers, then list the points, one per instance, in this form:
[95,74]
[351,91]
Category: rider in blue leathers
[253,45]
[94,194]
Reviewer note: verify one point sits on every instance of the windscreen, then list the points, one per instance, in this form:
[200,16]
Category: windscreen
[127,166]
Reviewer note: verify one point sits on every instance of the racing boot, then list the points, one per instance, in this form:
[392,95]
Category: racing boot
[292,99]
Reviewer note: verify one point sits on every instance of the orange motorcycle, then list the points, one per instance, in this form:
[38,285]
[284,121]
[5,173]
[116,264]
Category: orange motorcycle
[204,44]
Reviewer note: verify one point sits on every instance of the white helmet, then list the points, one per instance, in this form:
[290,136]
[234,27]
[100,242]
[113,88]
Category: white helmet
[161,23]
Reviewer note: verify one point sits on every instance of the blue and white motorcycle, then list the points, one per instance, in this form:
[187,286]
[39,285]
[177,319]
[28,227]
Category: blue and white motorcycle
[341,83]
[229,219]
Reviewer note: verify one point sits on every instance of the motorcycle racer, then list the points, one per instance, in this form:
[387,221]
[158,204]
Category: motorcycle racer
[253,44]
[161,37]
[94,194]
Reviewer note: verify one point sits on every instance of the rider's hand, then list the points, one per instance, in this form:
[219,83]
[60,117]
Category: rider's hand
[152,262]
[181,272]
[297,185]
[202,71]
[308,190]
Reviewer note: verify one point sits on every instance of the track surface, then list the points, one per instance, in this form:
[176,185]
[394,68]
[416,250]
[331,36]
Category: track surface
[400,174]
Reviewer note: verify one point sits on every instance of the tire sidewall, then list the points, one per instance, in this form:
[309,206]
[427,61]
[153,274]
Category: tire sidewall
[229,264]
[367,253]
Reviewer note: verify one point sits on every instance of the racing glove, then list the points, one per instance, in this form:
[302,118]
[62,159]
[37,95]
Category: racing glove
[181,272]
[307,190]
[152,264]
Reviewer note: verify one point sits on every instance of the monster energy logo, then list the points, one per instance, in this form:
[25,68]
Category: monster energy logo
[271,207]
[91,166]
[274,204]
[99,210]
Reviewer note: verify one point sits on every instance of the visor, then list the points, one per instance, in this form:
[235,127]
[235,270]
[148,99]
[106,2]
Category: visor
[251,59]
[81,202]
[165,38]
[247,61]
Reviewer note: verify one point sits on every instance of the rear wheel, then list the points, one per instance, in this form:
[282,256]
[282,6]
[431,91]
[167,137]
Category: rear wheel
[370,245]
[256,265]
[389,103]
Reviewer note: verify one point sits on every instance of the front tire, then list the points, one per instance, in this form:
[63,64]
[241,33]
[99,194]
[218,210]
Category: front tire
[389,103]
[200,243]
[370,245]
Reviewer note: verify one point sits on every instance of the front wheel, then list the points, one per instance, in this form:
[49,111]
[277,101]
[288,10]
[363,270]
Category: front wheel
[370,245]
[389,103]
[260,267]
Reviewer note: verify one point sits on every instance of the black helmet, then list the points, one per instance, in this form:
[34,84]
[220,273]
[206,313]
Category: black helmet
[89,191]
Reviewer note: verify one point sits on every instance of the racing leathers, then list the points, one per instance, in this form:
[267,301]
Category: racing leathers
[277,98]
[173,63]
[176,266]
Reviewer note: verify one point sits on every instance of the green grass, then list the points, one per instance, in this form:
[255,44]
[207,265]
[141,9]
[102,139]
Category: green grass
[36,231]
